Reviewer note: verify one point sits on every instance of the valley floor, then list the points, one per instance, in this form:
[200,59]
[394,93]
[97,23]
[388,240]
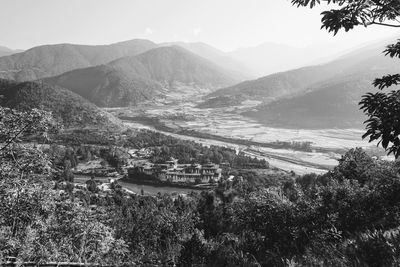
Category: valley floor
[177,117]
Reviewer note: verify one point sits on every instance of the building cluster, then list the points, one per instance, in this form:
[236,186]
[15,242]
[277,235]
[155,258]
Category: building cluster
[171,171]
[97,171]
[140,153]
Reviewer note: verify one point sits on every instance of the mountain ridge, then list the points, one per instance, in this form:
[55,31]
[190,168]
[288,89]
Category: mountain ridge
[131,80]
[296,80]
[323,96]
[217,56]
[5,51]
[50,60]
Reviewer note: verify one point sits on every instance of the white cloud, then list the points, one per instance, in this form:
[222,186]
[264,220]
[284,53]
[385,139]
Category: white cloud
[175,37]
[148,31]
[197,31]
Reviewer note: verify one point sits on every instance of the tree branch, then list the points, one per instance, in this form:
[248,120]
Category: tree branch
[8,142]
[385,24]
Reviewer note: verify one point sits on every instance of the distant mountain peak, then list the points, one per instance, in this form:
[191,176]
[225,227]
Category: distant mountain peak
[5,51]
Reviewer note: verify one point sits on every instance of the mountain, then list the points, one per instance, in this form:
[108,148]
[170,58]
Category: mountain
[5,51]
[323,96]
[67,107]
[216,56]
[50,60]
[332,105]
[131,80]
[296,81]
[269,58]
[276,85]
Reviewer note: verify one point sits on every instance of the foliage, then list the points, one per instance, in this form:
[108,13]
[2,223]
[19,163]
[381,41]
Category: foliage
[14,124]
[383,123]
[67,108]
[349,216]
[35,222]
[348,13]
[163,147]
[21,170]
[166,147]
[73,232]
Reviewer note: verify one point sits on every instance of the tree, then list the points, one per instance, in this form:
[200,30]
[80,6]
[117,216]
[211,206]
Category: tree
[73,232]
[67,174]
[381,108]
[355,164]
[22,167]
[38,223]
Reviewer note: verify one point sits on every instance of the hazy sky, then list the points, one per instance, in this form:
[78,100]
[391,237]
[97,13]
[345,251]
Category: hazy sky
[225,24]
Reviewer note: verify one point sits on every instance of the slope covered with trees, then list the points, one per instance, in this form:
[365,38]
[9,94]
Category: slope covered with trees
[346,217]
[131,80]
[66,107]
[176,64]
[110,85]
[330,105]
[50,60]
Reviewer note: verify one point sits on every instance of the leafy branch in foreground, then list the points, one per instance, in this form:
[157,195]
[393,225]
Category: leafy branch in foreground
[14,124]
[18,159]
[349,13]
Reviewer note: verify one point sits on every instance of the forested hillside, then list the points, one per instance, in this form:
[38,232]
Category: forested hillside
[331,105]
[347,217]
[176,64]
[131,80]
[66,107]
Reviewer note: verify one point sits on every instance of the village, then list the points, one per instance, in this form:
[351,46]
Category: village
[172,172]
[136,167]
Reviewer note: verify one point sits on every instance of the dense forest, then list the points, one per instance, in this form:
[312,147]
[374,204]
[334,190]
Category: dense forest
[68,108]
[346,217]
